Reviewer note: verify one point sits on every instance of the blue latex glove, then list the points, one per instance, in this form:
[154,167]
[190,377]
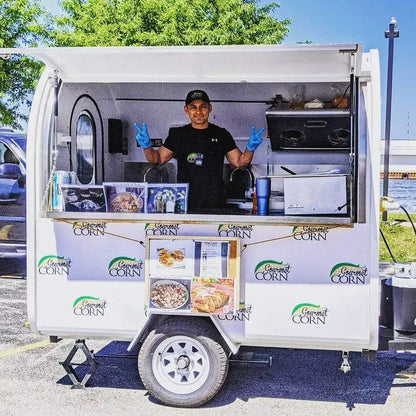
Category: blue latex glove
[142,136]
[255,139]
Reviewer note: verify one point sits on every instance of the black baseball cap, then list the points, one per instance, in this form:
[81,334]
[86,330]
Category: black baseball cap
[196,95]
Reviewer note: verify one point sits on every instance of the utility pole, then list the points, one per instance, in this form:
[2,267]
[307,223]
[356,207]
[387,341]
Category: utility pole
[390,34]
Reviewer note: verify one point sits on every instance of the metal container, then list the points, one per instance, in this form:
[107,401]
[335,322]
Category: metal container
[263,195]
[398,304]
[328,129]
[315,194]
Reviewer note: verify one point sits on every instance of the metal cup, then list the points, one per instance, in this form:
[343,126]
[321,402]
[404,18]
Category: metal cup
[263,185]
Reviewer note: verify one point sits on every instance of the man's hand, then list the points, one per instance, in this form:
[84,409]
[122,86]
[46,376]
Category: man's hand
[255,139]
[142,136]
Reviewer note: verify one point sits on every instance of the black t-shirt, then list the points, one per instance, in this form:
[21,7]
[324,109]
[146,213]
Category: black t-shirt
[200,154]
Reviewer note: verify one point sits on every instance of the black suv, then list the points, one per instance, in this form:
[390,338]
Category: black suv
[12,203]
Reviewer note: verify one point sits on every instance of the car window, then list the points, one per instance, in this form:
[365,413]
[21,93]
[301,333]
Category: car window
[12,181]
[12,202]
[21,143]
[2,151]
[7,155]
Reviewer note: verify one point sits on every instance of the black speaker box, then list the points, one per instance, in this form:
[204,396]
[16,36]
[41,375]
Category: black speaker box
[115,136]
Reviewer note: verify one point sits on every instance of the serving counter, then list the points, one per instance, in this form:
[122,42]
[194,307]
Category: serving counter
[243,217]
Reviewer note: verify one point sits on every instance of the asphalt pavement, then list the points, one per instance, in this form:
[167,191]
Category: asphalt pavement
[307,382]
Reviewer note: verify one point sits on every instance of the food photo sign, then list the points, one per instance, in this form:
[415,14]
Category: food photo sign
[79,198]
[196,275]
[125,197]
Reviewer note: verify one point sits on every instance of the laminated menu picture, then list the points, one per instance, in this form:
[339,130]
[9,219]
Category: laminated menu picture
[171,258]
[125,197]
[170,294]
[209,295]
[167,198]
[196,275]
[211,258]
[80,198]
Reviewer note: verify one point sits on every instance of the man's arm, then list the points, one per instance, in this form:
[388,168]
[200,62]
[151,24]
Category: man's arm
[237,158]
[159,156]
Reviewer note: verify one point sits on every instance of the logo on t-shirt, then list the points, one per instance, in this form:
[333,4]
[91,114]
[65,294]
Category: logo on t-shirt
[195,158]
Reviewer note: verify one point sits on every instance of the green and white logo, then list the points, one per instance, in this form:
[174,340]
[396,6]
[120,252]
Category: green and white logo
[125,267]
[232,230]
[309,314]
[89,306]
[241,315]
[154,228]
[54,265]
[89,228]
[310,233]
[348,274]
[195,158]
[272,270]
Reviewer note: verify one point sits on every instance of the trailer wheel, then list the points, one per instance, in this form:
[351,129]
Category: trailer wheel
[182,362]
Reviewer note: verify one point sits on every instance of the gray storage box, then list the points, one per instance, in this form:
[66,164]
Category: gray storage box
[315,194]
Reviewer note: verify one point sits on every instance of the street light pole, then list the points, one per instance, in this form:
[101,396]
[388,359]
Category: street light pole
[390,34]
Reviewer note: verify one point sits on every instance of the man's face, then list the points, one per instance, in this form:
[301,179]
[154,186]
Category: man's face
[198,112]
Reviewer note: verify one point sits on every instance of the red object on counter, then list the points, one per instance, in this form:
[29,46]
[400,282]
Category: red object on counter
[254,201]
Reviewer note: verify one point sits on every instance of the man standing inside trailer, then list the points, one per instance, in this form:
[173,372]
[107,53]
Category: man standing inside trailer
[200,148]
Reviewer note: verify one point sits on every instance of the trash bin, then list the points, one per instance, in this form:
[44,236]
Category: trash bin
[404,304]
[386,303]
[398,299]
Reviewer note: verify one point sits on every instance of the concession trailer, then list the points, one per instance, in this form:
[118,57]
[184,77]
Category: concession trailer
[114,252]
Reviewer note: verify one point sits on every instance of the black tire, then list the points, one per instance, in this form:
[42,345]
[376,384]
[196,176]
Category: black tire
[182,362]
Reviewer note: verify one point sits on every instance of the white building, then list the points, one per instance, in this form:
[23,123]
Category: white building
[402,163]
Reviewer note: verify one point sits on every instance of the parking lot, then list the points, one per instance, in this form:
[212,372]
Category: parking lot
[298,382]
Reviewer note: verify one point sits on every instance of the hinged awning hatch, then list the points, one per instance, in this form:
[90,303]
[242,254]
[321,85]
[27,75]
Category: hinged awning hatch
[254,63]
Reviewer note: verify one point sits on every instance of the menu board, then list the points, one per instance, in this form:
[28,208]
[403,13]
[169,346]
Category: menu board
[192,274]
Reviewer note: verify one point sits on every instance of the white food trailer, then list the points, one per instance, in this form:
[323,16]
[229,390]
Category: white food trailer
[195,287]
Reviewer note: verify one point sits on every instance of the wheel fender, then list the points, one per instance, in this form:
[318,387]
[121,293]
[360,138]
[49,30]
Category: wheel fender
[230,344]
[152,321]
[155,319]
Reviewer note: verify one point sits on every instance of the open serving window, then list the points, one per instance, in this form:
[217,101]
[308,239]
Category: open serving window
[90,142]
[192,274]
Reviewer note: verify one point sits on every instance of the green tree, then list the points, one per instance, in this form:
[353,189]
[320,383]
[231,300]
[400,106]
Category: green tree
[168,22]
[18,27]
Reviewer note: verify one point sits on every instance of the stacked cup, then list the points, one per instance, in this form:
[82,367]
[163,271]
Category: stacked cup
[263,186]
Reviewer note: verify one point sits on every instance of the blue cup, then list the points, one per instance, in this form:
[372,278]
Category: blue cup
[263,194]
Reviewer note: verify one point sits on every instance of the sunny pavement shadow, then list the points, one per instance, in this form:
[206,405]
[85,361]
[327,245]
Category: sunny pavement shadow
[294,374]
[117,367]
[315,375]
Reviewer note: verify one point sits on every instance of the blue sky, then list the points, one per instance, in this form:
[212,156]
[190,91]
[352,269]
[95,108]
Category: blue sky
[358,21]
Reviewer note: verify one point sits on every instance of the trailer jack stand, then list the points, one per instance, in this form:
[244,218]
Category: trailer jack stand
[68,365]
[345,365]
